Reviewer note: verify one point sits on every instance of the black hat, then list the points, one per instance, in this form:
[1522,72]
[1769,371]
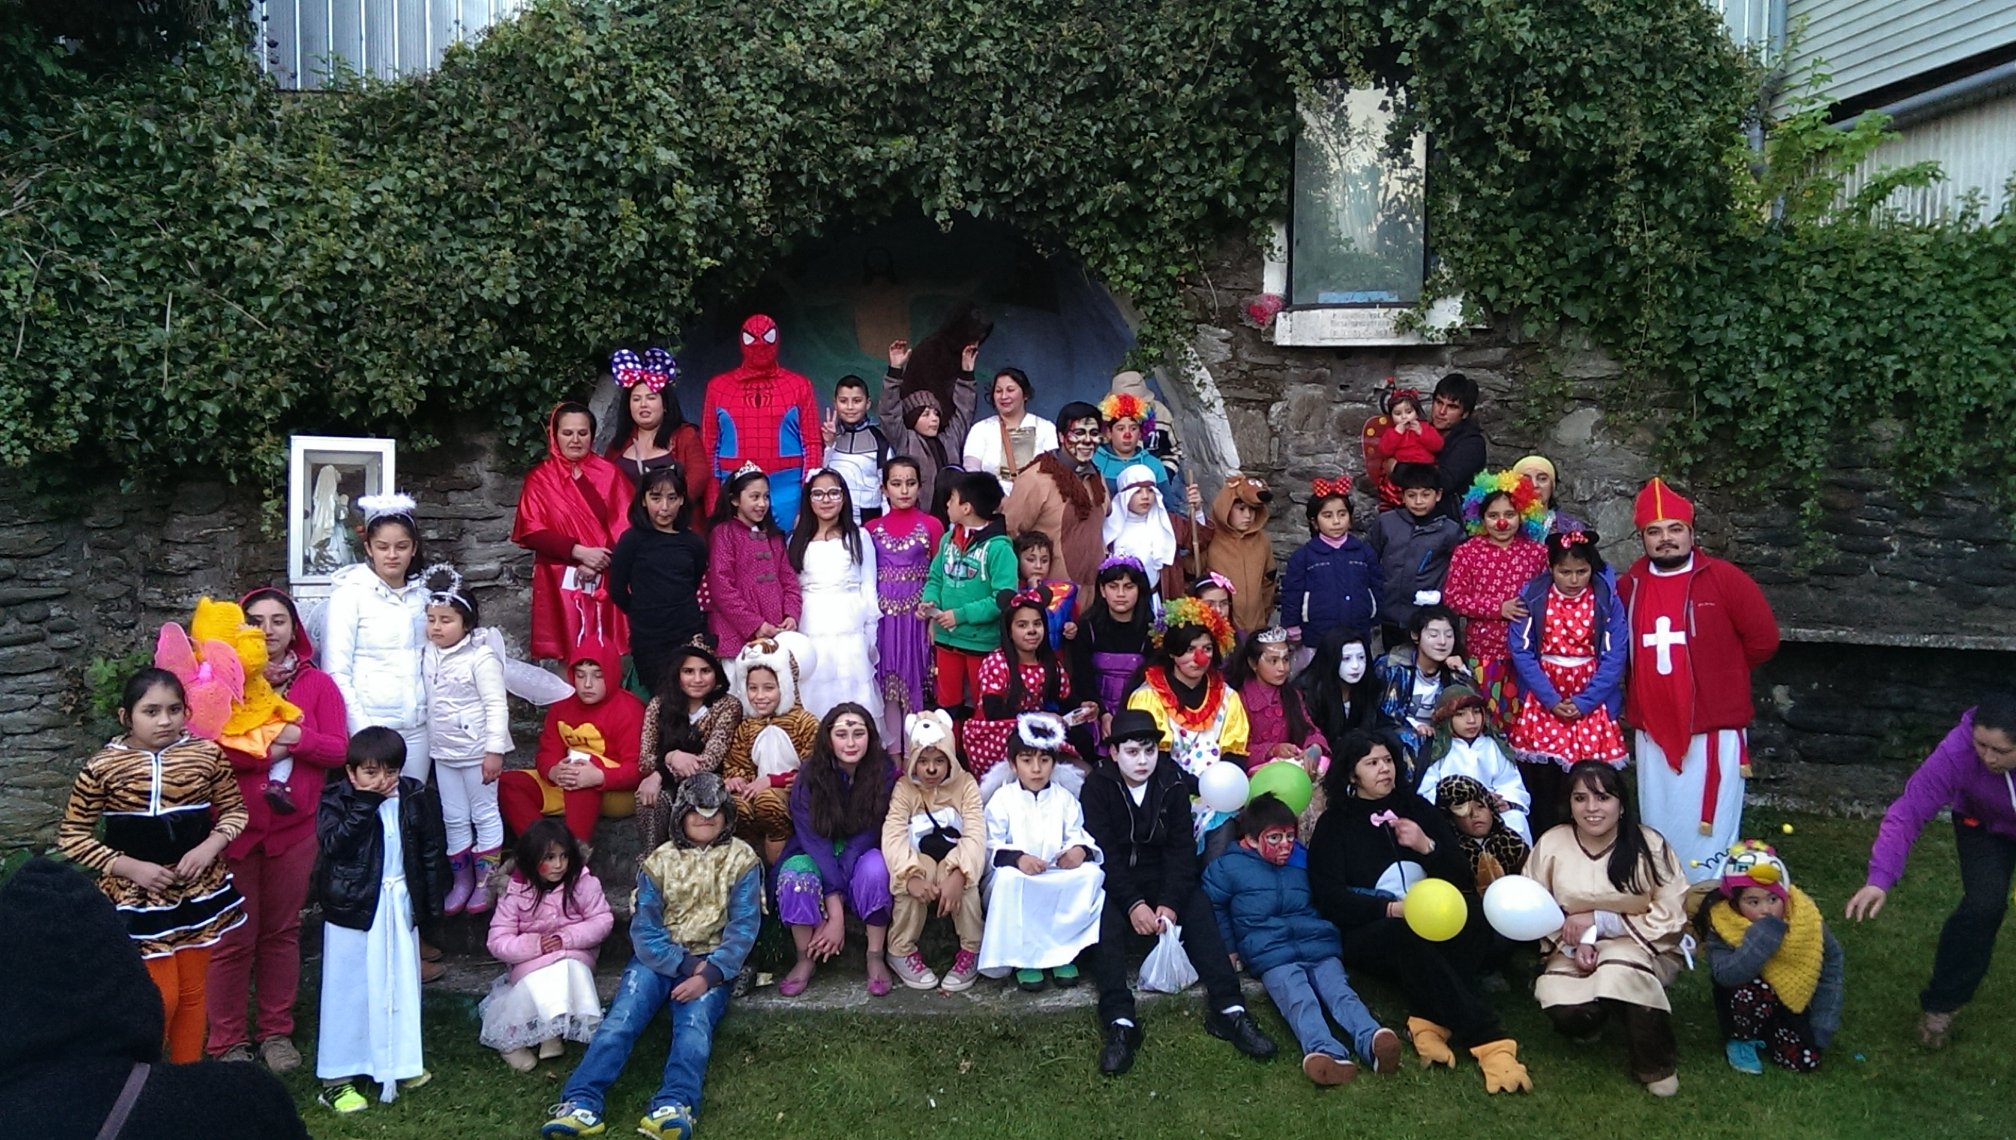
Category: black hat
[1133,724]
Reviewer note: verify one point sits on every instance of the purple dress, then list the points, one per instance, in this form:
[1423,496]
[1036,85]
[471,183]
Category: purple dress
[904,542]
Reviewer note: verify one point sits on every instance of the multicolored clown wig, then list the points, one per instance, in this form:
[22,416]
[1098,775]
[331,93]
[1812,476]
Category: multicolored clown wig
[1525,499]
[1127,406]
[1191,611]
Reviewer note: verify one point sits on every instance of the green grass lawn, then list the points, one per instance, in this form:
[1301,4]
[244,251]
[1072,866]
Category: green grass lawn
[856,1075]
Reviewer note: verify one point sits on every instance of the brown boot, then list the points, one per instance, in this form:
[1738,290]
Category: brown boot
[432,972]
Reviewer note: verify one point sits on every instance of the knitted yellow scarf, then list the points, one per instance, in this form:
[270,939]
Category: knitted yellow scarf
[1794,969]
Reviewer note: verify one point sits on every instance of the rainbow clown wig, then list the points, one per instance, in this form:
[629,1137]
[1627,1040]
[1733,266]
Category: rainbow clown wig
[1189,611]
[1525,499]
[1127,406]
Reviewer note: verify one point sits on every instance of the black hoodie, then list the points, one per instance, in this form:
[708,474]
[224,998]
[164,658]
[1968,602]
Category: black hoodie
[77,1011]
[1148,852]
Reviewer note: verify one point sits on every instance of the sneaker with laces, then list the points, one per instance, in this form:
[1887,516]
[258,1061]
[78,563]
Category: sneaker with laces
[240,1053]
[964,972]
[343,1098]
[669,1122]
[911,970]
[571,1120]
[279,1054]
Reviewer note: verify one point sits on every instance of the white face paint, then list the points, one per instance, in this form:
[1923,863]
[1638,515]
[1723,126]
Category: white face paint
[1351,663]
[1136,760]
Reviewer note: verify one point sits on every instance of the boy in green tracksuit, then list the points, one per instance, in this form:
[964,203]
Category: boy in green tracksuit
[974,565]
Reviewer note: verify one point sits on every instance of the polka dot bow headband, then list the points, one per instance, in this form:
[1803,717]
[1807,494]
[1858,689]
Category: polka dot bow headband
[655,368]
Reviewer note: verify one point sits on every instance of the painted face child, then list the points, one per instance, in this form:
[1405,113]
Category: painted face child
[1351,662]
[1275,844]
[1136,758]
[931,768]
[1501,520]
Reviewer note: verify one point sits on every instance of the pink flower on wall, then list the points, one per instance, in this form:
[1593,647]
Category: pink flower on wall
[1259,310]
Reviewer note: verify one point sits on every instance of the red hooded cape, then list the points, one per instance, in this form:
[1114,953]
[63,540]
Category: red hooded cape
[557,511]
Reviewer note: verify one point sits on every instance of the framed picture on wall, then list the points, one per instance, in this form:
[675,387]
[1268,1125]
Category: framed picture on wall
[326,475]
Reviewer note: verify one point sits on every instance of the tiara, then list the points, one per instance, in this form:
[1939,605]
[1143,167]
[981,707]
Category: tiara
[1272,635]
[749,467]
[376,507]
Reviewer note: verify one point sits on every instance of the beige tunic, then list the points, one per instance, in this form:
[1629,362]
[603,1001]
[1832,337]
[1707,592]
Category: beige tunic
[1635,967]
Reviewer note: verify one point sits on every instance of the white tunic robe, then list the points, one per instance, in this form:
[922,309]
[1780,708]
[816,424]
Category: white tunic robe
[1483,761]
[1039,922]
[371,983]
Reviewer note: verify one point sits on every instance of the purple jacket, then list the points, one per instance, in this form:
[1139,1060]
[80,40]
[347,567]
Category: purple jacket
[1613,648]
[1953,776]
[524,916]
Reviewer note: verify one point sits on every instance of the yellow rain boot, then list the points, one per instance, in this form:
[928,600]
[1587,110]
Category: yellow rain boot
[1431,1042]
[1502,1070]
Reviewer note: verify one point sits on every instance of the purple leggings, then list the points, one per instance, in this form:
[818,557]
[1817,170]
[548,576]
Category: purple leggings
[801,893]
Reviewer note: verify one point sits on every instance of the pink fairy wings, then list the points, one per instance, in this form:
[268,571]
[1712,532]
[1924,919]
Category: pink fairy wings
[211,682]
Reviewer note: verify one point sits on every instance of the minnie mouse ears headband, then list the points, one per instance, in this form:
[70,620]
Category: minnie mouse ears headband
[654,368]
[1323,488]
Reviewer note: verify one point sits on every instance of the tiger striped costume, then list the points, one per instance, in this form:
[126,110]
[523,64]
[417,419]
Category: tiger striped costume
[765,813]
[157,807]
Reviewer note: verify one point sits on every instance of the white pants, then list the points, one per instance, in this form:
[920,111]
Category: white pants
[1669,802]
[468,807]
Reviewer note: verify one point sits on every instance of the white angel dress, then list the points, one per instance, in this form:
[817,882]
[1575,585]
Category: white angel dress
[841,617]
[1039,922]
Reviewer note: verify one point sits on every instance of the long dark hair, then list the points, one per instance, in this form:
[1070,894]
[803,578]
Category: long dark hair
[839,813]
[1630,854]
[549,831]
[675,728]
[1326,692]
[668,475]
[724,510]
[1243,668]
[1097,611]
[1052,695]
[626,427]
[808,524]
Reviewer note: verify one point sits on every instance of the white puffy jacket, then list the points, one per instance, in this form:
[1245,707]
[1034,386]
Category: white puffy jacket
[466,712]
[372,641]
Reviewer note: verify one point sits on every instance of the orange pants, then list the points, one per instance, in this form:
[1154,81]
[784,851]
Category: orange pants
[179,977]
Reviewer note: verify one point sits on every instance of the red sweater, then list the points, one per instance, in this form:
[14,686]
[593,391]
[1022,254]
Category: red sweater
[1410,446]
[1730,631]
[325,736]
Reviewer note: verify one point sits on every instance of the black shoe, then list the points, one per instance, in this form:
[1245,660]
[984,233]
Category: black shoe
[1238,1028]
[1121,1042]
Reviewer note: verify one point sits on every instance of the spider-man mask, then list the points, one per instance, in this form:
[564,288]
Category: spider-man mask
[759,343]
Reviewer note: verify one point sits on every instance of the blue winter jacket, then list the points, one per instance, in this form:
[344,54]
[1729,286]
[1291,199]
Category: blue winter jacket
[1266,913]
[1613,648]
[1325,586]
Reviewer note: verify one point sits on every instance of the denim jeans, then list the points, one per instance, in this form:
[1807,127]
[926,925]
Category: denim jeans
[1302,990]
[638,997]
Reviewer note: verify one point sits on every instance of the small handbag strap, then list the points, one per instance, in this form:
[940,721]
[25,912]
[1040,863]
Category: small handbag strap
[128,1097]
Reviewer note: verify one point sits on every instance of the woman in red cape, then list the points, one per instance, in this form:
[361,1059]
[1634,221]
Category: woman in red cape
[574,507]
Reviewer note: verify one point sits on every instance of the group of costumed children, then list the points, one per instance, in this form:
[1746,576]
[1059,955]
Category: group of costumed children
[1051,734]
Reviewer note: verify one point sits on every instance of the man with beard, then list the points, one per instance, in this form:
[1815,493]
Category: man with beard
[1062,495]
[1698,627]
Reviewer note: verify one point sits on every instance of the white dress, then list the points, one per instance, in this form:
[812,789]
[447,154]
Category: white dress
[841,617]
[1483,761]
[371,983]
[1039,922]
[557,1000]
[983,445]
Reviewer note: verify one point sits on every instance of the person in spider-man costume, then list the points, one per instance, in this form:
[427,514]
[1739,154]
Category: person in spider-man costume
[764,413]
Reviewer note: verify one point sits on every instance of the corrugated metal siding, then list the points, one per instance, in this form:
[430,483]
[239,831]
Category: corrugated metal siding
[1976,146]
[1867,44]
[382,38]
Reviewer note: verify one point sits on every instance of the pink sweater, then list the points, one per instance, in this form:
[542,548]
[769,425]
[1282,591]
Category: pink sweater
[750,582]
[524,916]
[325,735]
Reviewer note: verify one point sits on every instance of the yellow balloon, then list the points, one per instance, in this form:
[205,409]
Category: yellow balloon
[1434,909]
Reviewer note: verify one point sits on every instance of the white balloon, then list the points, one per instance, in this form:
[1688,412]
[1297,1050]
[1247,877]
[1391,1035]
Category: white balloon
[1521,909]
[1222,786]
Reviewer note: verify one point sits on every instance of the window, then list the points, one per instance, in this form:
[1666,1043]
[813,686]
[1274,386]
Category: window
[1359,230]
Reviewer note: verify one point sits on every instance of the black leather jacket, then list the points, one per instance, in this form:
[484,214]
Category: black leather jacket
[351,866]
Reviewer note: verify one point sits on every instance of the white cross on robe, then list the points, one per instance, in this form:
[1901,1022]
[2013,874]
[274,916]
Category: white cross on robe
[1662,639]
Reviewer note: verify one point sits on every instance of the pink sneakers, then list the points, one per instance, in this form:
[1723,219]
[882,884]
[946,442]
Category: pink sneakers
[965,968]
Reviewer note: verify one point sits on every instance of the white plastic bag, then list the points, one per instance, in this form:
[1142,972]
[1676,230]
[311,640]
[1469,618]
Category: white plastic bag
[1167,969]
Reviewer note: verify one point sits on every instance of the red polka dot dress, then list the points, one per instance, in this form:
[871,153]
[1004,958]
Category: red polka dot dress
[1568,657]
[1483,576]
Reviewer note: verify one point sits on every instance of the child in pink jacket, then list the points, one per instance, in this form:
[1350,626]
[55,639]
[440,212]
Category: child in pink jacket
[547,927]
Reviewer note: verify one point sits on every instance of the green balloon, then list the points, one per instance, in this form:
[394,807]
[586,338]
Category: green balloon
[1287,780]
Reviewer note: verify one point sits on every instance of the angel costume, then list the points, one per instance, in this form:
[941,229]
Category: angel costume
[842,613]
[1038,922]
